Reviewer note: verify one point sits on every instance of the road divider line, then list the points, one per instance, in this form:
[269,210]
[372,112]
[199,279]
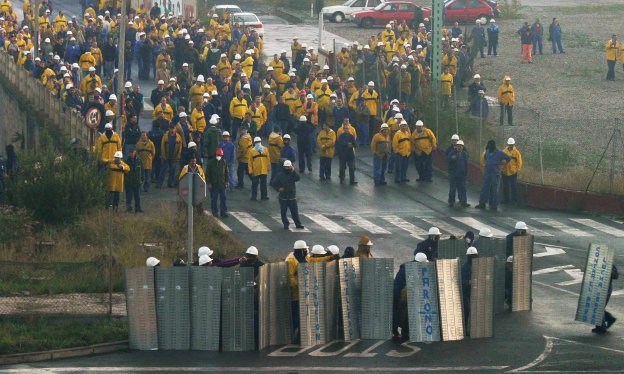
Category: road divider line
[599,226]
[478,225]
[250,222]
[367,225]
[577,277]
[562,227]
[327,223]
[399,222]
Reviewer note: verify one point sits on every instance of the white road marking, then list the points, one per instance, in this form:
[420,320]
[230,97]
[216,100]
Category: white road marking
[281,352]
[250,222]
[556,288]
[327,223]
[471,222]
[367,225]
[291,228]
[577,277]
[399,222]
[599,226]
[443,226]
[368,352]
[618,292]
[264,369]
[219,222]
[319,352]
[533,230]
[550,251]
[562,227]
[412,350]
[547,350]
[553,269]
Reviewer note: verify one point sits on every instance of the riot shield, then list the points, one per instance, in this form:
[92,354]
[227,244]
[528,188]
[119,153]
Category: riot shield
[237,309]
[482,297]
[205,308]
[593,296]
[274,304]
[377,291]
[350,297]
[422,301]
[141,306]
[312,311]
[449,291]
[173,308]
[521,289]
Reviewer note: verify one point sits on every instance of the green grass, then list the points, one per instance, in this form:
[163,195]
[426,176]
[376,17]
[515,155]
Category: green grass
[591,8]
[31,334]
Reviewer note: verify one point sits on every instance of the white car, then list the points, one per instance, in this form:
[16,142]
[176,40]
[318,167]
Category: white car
[339,13]
[221,9]
[249,20]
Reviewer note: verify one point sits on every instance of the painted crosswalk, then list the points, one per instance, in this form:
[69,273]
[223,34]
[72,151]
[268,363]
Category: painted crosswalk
[291,226]
[417,226]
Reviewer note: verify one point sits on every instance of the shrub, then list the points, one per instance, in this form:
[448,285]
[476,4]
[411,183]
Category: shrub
[510,9]
[57,188]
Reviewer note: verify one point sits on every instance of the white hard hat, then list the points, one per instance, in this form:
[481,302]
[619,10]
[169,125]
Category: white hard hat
[70,32]
[510,259]
[384,126]
[318,250]
[333,249]
[237,56]
[477,76]
[206,94]
[323,80]
[287,164]
[213,121]
[380,44]
[257,139]
[192,144]
[398,115]
[128,85]
[161,82]
[118,154]
[403,66]
[68,86]
[152,261]
[47,40]
[266,86]
[214,93]
[185,64]
[299,244]
[91,69]
[303,118]
[204,251]
[371,83]
[226,133]
[98,90]
[455,137]
[109,113]
[388,26]
[460,142]
[223,55]
[421,25]
[492,20]
[204,259]
[325,67]
[63,68]
[521,225]
[108,126]
[215,116]
[421,257]
[200,78]
[252,251]
[246,86]
[471,251]
[351,79]
[434,231]
[511,141]
[270,68]
[291,74]
[287,136]
[183,115]
[243,74]
[485,232]
[112,97]
[310,96]
[419,123]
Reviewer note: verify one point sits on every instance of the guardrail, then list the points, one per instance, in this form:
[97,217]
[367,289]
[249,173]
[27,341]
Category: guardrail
[50,110]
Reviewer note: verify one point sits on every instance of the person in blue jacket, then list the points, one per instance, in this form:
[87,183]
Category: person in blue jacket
[229,154]
[288,152]
[493,158]
[457,159]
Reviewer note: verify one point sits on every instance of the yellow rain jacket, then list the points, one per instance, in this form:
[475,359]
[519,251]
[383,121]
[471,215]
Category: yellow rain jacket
[258,162]
[276,143]
[238,108]
[506,94]
[446,84]
[198,122]
[244,144]
[401,143]
[380,145]
[146,151]
[424,142]
[105,148]
[326,140]
[116,175]
[515,165]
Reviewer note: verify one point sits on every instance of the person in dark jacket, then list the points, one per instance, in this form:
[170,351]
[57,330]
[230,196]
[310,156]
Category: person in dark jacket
[554,35]
[608,320]
[399,305]
[466,276]
[282,115]
[218,181]
[521,229]
[304,144]
[475,97]
[213,136]
[457,160]
[493,158]
[284,183]
[477,37]
[288,152]
[537,31]
[492,33]
[345,147]
[133,181]
[131,134]
[429,246]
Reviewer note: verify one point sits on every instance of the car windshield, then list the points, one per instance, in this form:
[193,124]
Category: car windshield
[246,18]
[349,2]
[378,7]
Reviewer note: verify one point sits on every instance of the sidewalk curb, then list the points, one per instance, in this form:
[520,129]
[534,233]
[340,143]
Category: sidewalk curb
[57,354]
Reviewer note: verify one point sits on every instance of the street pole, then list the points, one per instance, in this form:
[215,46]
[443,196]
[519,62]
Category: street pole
[110,261]
[436,58]
[480,121]
[122,71]
[541,151]
[189,212]
[36,34]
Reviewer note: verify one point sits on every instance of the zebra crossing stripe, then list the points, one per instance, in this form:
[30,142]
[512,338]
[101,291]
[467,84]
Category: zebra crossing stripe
[473,223]
[599,226]
[218,221]
[367,225]
[562,227]
[399,222]
[327,224]
[250,222]
[443,226]
[511,222]
[291,228]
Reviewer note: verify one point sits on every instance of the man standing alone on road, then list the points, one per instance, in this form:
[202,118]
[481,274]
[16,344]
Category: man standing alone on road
[510,172]
[258,166]
[612,48]
[284,183]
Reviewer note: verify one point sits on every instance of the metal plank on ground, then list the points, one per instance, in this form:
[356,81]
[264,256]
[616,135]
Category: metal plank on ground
[141,308]
[377,291]
[521,285]
[452,248]
[312,312]
[496,248]
[205,308]
[449,291]
[482,297]
[350,297]
[173,308]
[275,316]
[422,302]
[593,296]
[237,309]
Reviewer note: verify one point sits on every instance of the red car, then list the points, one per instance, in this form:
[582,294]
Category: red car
[383,13]
[467,10]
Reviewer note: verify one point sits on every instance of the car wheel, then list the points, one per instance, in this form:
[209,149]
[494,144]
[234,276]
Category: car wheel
[367,22]
[338,17]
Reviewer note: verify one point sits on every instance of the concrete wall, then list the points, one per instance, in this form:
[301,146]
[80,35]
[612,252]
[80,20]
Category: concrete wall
[12,119]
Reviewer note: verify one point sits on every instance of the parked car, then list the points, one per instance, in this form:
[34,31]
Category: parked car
[467,10]
[339,13]
[249,20]
[383,13]
[221,9]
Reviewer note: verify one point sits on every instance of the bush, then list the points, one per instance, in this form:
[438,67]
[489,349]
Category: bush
[510,9]
[57,188]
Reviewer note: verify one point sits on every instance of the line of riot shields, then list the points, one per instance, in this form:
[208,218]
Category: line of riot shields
[226,309]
